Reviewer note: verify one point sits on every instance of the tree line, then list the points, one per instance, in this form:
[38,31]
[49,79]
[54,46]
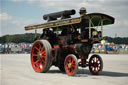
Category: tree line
[117,40]
[29,38]
[18,38]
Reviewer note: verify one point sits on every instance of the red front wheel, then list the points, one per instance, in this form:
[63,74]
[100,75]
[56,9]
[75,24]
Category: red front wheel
[71,65]
[41,58]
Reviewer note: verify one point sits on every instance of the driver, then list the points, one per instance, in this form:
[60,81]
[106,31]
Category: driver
[82,11]
[83,24]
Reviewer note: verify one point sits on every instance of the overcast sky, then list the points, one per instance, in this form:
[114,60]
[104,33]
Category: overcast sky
[16,14]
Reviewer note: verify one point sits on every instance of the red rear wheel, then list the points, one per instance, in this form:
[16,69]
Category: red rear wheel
[71,65]
[95,64]
[41,58]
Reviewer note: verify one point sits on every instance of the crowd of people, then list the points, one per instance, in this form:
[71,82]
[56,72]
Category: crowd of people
[110,48]
[106,48]
[15,48]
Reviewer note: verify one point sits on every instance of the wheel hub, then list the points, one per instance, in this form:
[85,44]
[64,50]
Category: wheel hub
[95,65]
[39,55]
[69,65]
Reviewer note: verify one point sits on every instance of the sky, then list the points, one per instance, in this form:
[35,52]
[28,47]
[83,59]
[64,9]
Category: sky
[16,14]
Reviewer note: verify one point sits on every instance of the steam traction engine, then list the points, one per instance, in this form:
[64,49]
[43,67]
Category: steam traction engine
[65,40]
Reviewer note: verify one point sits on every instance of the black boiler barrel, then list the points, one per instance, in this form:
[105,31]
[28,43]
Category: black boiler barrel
[59,14]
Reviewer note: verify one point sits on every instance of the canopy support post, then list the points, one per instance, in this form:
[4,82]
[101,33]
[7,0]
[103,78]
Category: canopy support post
[89,28]
[57,30]
[35,33]
[101,29]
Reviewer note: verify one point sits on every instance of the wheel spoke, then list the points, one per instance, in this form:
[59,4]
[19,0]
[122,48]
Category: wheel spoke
[43,60]
[98,62]
[44,56]
[97,59]
[34,55]
[94,69]
[98,68]
[42,49]
[73,64]
[36,48]
[37,63]
[72,69]
[93,59]
[69,60]
[43,53]
[39,44]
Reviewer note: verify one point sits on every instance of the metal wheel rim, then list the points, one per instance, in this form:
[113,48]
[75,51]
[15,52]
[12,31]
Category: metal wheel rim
[71,65]
[38,56]
[96,64]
